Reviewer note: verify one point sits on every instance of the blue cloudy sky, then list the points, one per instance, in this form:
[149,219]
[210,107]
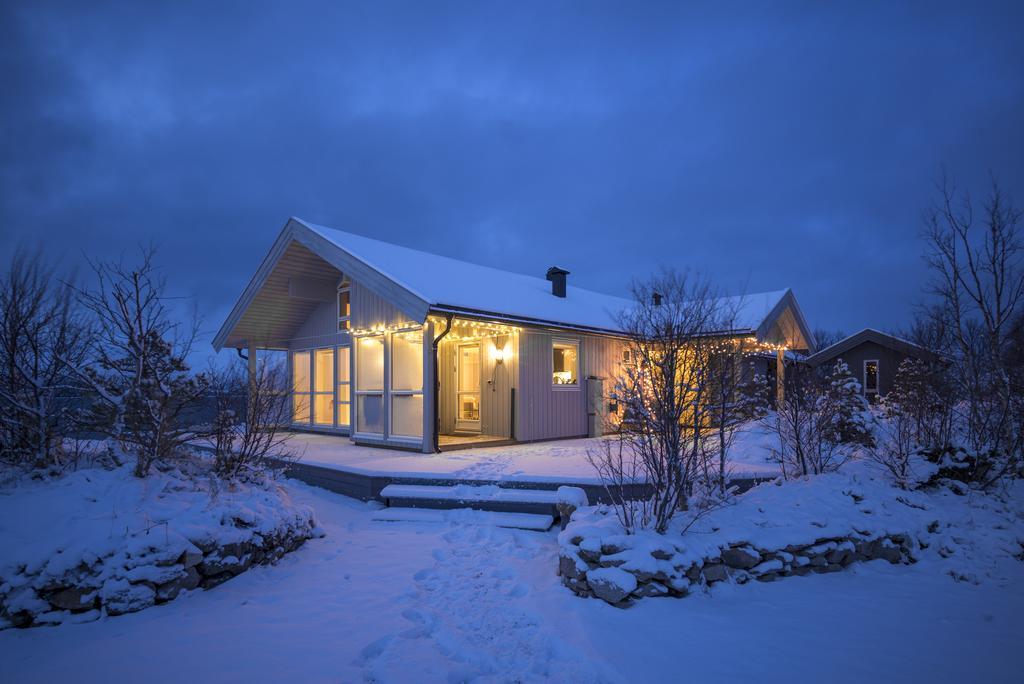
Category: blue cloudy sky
[769,144]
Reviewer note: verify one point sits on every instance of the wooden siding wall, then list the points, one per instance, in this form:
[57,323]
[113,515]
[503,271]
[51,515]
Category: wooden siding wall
[545,412]
[369,310]
[446,394]
[320,329]
[888,361]
[603,358]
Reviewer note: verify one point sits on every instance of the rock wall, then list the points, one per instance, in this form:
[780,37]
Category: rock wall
[620,575]
[147,576]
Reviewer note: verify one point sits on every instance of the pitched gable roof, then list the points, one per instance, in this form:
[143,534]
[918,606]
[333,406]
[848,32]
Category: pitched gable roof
[871,335]
[419,282]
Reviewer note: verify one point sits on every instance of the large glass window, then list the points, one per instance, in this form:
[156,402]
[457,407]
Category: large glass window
[323,387]
[344,397]
[300,387]
[370,385]
[565,360]
[407,384]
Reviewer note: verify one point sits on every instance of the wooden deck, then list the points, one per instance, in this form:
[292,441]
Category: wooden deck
[361,472]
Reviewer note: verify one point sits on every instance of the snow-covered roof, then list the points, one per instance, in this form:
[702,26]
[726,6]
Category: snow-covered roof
[427,282]
[871,335]
[444,283]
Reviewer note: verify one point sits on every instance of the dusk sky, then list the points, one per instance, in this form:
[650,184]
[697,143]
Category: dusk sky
[769,144]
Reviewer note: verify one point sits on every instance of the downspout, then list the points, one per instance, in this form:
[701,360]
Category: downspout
[437,382]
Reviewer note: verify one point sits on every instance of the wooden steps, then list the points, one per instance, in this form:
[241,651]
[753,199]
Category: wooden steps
[482,498]
[466,516]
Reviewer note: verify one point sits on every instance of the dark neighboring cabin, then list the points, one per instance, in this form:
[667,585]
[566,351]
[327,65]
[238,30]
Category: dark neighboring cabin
[872,357]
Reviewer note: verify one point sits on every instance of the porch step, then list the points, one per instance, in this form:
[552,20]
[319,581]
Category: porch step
[466,516]
[484,498]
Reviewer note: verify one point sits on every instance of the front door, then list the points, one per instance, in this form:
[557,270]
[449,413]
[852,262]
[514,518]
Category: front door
[467,402]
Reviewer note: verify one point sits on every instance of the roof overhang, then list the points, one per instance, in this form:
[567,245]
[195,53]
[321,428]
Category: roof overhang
[785,324]
[278,297]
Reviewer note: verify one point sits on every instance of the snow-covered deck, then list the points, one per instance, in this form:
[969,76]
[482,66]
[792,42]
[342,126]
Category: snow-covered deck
[363,470]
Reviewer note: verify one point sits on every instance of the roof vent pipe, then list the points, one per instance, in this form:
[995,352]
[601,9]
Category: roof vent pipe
[557,277]
[656,298]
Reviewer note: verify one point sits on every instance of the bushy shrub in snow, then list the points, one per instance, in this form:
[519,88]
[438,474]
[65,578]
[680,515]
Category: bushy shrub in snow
[101,541]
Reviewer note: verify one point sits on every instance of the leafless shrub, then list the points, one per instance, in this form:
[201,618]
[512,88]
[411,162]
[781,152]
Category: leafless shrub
[674,331]
[136,365]
[249,431]
[40,334]
[818,420]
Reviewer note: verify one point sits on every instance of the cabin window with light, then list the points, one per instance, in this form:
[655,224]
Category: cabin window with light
[323,387]
[344,307]
[565,363]
[407,384]
[300,387]
[370,385]
[871,379]
[344,398]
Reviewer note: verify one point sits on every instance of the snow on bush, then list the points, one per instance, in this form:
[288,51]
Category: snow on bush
[101,540]
[814,524]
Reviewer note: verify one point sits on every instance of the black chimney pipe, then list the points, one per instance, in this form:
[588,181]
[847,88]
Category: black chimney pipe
[557,277]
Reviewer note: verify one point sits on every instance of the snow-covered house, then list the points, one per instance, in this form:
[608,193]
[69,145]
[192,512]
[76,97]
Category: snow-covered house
[873,357]
[402,348]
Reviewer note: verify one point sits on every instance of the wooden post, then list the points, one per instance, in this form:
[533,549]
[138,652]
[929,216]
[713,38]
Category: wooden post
[251,371]
[780,377]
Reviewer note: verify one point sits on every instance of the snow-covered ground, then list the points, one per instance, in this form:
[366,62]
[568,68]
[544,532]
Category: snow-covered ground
[418,602]
[561,460]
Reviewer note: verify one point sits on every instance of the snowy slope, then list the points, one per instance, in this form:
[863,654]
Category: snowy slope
[404,602]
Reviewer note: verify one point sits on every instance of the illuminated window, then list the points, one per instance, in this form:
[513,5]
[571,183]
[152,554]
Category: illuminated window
[300,387]
[323,387]
[370,385]
[344,307]
[407,384]
[871,378]
[344,398]
[565,363]
[468,387]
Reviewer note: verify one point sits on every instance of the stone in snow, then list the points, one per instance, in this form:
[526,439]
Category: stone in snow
[611,584]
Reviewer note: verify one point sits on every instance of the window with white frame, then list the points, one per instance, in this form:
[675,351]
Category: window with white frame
[565,361]
[407,384]
[344,397]
[370,385]
[300,387]
[344,307]
[871,377]
[323,387]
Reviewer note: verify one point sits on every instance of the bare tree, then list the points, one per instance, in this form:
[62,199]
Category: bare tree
[249,432]
[137,362]
[39,333]
[673,330]
[978,283]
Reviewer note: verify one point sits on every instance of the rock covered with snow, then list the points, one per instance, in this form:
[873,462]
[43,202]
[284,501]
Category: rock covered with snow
[818,524]
[103,541]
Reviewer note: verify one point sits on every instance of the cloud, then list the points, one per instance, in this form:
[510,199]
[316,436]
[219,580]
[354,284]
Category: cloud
[770,146]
